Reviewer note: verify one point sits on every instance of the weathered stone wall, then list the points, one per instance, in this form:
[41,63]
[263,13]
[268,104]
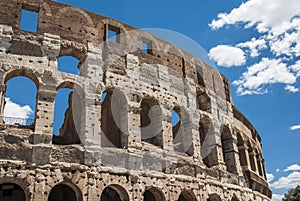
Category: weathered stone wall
[213,153]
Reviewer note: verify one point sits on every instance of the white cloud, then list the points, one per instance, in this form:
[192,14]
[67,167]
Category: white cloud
[270,177]
[254,45]
[295,127]
[14,110]
[267,71]
[277,170]
[263,14]
[278,24]
[277,197]
[227,56]
[291,181]
[294,167]
[291,88]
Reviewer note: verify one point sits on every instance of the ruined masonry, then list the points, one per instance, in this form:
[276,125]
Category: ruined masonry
[117,142]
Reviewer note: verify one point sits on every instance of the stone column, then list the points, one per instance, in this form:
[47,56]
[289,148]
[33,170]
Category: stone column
[44,116]
[2,99]
[253,162]
[167,129]
[244,156]
[134,130]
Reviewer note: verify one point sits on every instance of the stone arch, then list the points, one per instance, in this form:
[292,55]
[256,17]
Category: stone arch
[258,161]
[73,127]
[203,101]
[234,198]
[228,149]
[207,141]
[153,194]
[182,133]
[46,8]
[15,184]
[242,150]
[187,195]
[20,73]
[68,9]
[151,122]
[65,191]
[114,119]
[214,197]
[115,193]
[251,156]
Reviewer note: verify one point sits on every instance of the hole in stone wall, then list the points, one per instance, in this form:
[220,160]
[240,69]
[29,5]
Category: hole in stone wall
[199,76]
[113,34]
[68,64]
[153,194]
[151,122]
[11,192]
[62,192]
[114,119]
[60,107]
[20,101]
[68,117]
[29,20]
[146,46]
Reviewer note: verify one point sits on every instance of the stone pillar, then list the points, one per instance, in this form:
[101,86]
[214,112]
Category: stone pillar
[167,129]
[196,147]
[134,130]
[2,99]
[244,156]
[253,162]
[90,131]
[44,116]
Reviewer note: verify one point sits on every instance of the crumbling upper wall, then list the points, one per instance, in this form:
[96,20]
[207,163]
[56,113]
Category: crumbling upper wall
[83,27]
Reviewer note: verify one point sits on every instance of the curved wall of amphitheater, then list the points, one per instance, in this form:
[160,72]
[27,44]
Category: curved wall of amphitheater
[122,147]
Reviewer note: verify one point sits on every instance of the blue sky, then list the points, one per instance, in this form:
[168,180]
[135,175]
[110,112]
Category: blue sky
[256,45]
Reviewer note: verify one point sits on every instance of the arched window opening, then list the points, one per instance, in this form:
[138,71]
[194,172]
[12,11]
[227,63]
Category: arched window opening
[203,101]
[63,192]
[153,194]
[259,165]
[69,116]
[242,150]
[199,76]
[114,119]
[69,64]
[234,198]
[207,142]
[187,196]
[11,192]
[228,151]
[214,197]
[151,122]
[182,139]
[114,193]
[252,157]
[19,106]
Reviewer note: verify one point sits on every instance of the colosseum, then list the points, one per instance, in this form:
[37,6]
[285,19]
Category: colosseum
[117,141]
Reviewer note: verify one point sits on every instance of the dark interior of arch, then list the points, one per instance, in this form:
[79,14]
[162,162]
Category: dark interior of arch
[62,192]
[11,192]
[186,196]
[182,139]
[148,196]
[151,122]
[207,141]
[114,120]
[109,194]
[228,150]
[68,133]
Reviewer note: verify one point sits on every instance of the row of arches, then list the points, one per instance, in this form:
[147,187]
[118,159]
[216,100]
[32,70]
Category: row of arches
[114,126]
[66,191]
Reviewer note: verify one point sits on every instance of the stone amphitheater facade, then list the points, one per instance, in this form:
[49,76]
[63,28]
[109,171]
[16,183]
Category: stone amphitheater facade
[104,151]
